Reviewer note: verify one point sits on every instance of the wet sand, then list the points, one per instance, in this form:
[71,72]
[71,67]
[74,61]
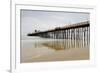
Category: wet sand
[39,51]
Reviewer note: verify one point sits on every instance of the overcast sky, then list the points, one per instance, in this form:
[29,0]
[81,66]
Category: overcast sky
[44,20]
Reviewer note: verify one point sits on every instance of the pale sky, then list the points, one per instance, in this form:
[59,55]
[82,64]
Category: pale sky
[44,20]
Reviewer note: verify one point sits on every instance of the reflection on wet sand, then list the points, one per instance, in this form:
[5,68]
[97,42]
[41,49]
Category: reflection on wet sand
[65,44]
[52,50]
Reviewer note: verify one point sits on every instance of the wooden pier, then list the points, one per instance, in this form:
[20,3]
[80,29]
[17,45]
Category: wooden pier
[73,35]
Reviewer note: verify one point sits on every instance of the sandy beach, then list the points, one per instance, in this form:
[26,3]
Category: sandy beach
[46,50]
